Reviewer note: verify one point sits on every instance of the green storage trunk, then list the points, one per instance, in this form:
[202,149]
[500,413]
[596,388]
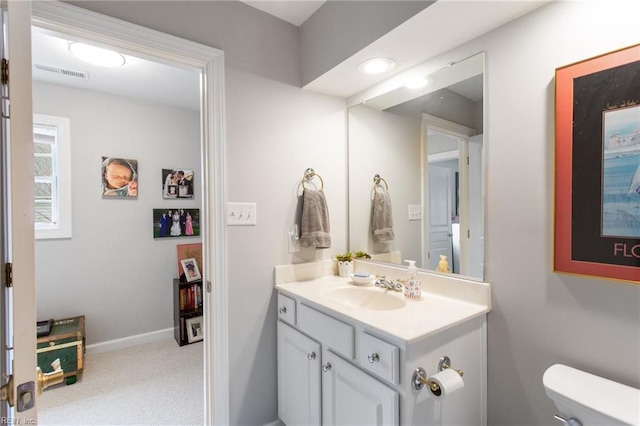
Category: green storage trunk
[66,342]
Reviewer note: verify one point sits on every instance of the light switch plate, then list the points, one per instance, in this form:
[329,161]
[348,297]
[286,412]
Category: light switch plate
[415,212]
[241,214]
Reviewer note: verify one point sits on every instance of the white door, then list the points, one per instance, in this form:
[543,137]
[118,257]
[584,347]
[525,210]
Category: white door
[298,377]
[19,300]
[440,187]
[351,397]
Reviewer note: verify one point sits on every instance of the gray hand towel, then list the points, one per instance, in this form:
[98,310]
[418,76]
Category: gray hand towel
[314,227]
[382,219]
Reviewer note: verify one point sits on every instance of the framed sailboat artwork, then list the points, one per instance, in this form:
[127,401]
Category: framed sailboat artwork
[597,167]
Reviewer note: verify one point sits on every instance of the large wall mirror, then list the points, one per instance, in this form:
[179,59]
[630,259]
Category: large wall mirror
[417,153]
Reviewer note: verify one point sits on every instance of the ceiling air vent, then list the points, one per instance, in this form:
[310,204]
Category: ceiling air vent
[63,71]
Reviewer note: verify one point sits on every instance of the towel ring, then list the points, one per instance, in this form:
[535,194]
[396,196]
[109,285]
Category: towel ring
[309,174]
[376,182]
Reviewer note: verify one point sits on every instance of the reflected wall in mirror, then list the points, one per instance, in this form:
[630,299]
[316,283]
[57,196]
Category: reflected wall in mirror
[418,142]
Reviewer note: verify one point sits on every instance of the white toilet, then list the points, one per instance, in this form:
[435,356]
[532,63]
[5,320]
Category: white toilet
[585,399]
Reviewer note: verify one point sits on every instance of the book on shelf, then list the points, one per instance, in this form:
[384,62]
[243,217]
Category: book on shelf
[190,297]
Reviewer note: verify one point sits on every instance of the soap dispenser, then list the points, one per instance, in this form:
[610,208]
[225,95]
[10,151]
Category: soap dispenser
[412,287]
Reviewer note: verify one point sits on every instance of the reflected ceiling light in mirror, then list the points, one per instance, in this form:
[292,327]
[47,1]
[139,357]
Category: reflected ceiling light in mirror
[417,82]
[96,55]
[376,66]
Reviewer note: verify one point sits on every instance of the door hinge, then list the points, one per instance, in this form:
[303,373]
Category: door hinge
[467,161]
[468,233]
[8,274]
[5,71]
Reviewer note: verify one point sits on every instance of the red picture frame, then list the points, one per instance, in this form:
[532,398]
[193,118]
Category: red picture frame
[596,231]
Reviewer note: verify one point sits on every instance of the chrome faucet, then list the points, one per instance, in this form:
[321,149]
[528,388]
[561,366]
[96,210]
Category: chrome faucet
[382,282]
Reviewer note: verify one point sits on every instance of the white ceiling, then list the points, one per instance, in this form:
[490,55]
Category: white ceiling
[137,78]
[292,11]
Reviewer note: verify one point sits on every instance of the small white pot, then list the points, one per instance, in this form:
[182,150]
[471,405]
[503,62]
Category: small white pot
[345,269]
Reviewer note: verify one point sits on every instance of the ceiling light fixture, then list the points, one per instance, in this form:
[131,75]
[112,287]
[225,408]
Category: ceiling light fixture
[96,55]
[376,66]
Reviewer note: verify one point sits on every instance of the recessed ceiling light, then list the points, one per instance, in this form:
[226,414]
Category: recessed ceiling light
[96,55]
[376,66]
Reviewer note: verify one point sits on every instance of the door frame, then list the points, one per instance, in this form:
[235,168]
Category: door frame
[463,133]
[154,45]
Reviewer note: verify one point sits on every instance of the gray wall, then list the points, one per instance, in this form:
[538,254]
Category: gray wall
[540,318]
[387,144]
[112,270]
[275,131]
[339,29]
[252,40]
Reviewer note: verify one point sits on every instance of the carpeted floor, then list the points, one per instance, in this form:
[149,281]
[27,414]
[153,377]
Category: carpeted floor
[157,383]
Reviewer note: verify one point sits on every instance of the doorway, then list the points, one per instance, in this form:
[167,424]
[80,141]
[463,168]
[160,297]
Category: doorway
[139,42]
[444,200]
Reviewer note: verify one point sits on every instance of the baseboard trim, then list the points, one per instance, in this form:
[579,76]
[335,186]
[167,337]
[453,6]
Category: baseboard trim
[127,342]
[277,422]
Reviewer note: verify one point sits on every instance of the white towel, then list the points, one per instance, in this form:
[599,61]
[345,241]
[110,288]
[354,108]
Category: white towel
[382,218]
[314,226]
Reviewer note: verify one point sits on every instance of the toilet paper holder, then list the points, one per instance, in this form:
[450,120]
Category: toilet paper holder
[419,378]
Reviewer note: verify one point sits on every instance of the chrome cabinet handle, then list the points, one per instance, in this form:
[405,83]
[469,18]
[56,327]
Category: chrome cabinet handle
[283,310]
[374,357]
[311,356]
[327,367]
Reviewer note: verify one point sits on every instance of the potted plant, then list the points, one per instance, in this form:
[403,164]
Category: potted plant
[361,255]
[345,263]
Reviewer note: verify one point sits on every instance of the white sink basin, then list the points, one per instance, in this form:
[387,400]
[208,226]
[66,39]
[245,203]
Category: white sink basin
[365,298]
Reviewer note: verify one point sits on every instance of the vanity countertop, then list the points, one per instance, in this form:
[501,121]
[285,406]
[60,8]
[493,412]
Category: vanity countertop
[413,321]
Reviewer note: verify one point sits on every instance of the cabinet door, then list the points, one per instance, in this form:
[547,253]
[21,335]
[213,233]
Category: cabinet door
[352,397]
[298,377]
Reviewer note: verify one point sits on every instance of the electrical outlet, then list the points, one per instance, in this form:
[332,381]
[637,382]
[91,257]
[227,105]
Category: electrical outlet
[294,239]
[241,214]
[415,212]
[294,243]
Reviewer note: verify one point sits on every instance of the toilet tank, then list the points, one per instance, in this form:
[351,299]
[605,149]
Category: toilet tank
[591,399]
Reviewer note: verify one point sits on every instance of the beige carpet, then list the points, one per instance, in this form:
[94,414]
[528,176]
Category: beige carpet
[157,383]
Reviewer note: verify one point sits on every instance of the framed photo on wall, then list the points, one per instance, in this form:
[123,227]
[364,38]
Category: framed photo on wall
[119,177]
[169,223]
[177,183]
[597,170]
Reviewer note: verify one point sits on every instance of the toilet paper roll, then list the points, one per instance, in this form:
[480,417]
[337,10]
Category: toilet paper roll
[448,381]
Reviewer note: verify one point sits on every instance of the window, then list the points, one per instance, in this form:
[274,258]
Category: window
[52,152]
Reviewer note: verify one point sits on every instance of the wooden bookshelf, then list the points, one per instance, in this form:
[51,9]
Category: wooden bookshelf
[187,303]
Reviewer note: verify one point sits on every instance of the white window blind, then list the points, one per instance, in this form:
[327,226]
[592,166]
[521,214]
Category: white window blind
[52,161]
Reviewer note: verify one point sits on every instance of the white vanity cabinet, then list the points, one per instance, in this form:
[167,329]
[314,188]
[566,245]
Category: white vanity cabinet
[299,384]
[340,363]
[352,397]
[318,386]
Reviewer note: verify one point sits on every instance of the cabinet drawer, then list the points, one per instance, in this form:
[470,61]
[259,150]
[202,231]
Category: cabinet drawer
[379,357]
[329,331]
[286,309]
